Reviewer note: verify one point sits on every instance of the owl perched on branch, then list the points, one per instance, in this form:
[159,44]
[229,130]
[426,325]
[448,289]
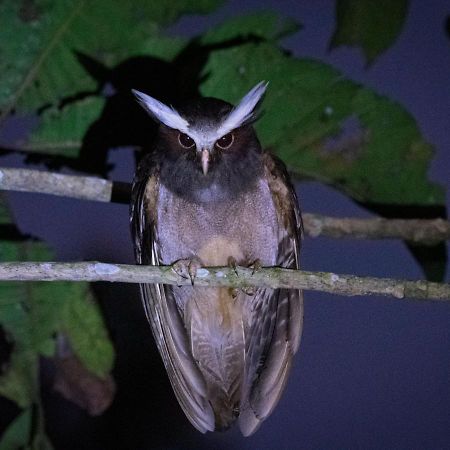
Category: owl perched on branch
[208,195]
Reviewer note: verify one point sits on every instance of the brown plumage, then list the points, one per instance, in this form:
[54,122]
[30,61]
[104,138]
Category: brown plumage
[206,196]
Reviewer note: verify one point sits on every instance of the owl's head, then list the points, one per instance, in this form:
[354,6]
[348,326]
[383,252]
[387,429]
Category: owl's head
[207,129]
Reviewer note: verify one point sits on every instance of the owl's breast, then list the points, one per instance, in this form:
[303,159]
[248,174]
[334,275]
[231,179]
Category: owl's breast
[244,228]
[217,250]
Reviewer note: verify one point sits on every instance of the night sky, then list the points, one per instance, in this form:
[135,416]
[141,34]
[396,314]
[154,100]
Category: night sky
[371,372]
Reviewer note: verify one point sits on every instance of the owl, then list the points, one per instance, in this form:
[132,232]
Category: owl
[208,195]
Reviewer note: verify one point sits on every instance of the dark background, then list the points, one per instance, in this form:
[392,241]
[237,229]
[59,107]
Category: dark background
[371,372]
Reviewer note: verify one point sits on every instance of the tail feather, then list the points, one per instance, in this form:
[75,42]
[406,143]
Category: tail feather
[215,328]
[226,411]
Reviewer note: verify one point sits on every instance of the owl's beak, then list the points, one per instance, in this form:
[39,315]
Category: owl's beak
[205,160]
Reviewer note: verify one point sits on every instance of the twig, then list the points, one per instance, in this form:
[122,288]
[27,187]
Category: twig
[86,188]
[419,231]
[225,276]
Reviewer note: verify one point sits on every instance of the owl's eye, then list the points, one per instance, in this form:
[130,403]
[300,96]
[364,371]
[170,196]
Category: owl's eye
[225,141]
[185,140]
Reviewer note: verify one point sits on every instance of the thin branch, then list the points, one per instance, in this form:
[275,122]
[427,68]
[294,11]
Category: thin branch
[85,188]
[419,231]
[226,277]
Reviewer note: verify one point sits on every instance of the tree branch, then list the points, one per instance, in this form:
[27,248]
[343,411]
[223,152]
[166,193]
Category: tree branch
[418,231]
[85,188]
[226,277]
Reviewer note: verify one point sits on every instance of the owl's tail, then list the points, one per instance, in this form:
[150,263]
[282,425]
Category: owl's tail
[217,341]
[226,411]
[224,384]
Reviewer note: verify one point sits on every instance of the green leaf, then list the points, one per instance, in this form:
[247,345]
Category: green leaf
[18,382]
[373,25]
[41,37]
[163,47]
[82,323]
[32,314]
[61,131]
[329,128]
[17,434]
[263,25]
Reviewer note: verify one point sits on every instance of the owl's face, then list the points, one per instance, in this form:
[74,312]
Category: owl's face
[208,131]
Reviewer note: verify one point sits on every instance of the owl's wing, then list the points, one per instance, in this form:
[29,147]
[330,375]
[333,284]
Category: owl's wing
[160,307]
[274,316]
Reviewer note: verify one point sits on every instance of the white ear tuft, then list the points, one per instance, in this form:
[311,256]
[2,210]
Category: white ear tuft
[161,112]
[244,112]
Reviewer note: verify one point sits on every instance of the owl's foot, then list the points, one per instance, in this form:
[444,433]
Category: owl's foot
[187,268]
[232,264]
[255,266]
[249,290]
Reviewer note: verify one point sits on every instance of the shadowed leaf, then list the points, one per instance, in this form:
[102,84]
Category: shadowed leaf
[76,383]
[264,25]
[43,44]
[327,127]
[373,25]
[31,319]
[17,434]
[62,130]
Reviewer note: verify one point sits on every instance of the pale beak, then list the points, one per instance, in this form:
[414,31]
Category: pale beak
[205,161]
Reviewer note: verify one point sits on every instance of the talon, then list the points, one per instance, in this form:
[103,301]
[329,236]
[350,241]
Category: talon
[232,263]
[187,268]
[255,266]
[250,291]
[192,270]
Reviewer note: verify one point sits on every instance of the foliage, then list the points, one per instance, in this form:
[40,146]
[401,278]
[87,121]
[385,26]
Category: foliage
[30,320]
[375,161]
[74,62]
[39,41]
[323,125]
[372,24]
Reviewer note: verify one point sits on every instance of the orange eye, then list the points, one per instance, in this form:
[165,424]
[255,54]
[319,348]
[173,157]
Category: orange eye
[186,141]
[225,141]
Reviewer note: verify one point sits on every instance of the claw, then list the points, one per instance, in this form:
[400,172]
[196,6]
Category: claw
[187,268]
[232,263]
[234,293]
[255,266]
[249,290]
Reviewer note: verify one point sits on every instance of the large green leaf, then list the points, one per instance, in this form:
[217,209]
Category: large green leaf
[327,127]
[18,432]
[262,25]
[32,315]
[80,320]
[373,25]
[38,41]
[61,131]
